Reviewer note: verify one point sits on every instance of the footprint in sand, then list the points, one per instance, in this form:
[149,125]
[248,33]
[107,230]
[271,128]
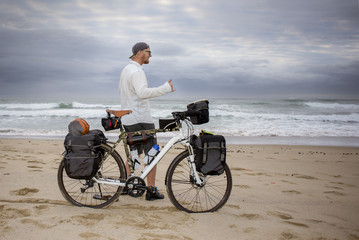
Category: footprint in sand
[165,236]
[35,223]
[4,162]
[289,235]
[304,176]
[88,219]
[34,167]
[89,235]
[297,224]
[280,215]
[35,162]
[291,192]
[343,184]
[251,216]
[337,188]
[233,206]
[24,191]
[335,193]
[40,208]
[8,213]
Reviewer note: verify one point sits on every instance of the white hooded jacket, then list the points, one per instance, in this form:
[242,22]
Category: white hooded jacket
[134,92]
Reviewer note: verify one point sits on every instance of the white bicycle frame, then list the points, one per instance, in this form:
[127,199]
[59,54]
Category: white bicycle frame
[148,168]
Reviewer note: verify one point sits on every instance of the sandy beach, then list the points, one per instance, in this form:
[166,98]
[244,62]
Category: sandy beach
[279,192]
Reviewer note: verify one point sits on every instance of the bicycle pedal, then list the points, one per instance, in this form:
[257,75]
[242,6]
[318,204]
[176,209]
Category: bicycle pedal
[141,187]
[99,197]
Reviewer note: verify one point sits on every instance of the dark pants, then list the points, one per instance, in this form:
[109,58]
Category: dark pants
[139,127]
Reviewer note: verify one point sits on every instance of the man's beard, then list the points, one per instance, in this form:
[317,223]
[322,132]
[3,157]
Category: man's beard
[145,60]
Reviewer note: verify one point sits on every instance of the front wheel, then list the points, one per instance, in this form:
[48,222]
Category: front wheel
[88,193]
[187,196]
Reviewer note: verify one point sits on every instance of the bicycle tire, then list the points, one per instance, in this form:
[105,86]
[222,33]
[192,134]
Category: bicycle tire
[187,196]
[88,193]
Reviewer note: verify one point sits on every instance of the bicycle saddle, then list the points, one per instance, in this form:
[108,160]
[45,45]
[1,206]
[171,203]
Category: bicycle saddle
[120,113]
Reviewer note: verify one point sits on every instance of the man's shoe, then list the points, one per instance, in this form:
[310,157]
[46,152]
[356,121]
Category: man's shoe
[153,194]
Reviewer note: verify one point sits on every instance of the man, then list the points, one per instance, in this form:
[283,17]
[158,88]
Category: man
[135,95]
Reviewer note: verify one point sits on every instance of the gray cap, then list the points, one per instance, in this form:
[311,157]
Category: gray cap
[139,47]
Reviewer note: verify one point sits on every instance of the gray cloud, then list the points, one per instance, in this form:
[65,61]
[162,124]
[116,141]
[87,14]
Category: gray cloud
[234,48]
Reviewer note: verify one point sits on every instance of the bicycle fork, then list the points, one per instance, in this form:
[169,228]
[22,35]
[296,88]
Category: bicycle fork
[192,163]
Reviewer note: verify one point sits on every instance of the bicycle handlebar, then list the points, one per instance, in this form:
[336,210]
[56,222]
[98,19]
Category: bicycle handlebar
[183,115]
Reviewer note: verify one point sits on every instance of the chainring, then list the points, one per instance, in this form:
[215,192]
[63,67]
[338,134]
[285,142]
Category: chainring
[136,186]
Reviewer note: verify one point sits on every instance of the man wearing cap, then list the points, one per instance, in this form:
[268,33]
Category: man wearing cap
[135,95]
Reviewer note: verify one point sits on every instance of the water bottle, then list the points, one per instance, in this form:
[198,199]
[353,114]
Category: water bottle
[134,157]
[151,154]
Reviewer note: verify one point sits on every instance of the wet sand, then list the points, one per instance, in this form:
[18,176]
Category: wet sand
[279,192]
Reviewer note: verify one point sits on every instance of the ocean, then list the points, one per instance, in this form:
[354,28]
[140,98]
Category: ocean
[292,121]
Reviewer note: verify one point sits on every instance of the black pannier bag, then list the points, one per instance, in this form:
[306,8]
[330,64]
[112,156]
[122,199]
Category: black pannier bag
[210,155]
[83,154]
[98,132]
[102,136]
[198,112]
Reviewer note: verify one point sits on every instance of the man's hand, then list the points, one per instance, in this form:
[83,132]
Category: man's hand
[171,84]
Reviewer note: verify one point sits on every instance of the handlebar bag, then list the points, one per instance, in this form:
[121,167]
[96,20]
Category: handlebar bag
[210,154]
[201,108]
[83,155]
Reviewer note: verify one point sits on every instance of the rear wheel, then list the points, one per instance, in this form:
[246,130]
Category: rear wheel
[88,193]
[187,196]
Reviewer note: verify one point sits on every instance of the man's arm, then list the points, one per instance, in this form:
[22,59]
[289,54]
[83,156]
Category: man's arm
[144,92]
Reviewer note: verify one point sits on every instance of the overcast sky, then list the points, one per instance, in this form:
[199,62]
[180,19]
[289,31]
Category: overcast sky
[210,48]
